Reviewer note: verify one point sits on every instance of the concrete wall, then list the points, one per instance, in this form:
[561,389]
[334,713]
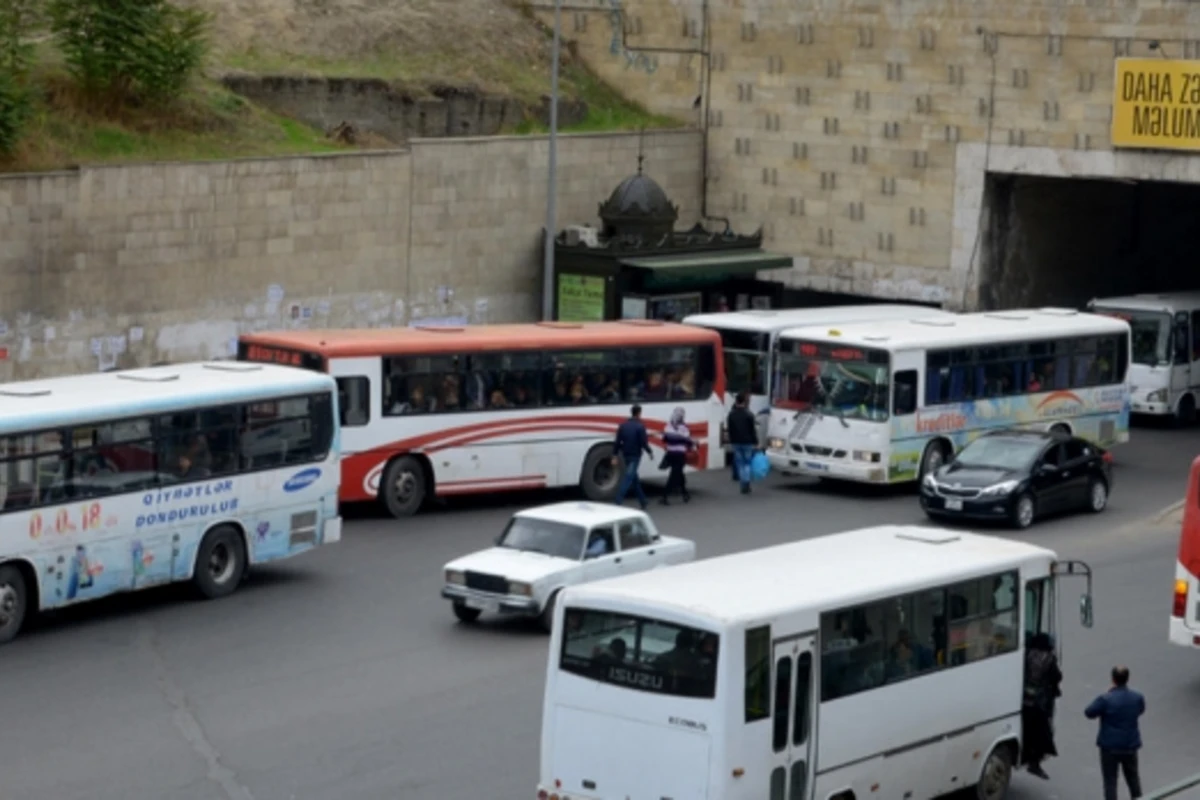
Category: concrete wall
[132,265]
[860,132]
[377,107]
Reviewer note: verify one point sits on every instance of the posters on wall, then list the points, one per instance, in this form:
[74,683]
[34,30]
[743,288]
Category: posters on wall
[581,298]
[634,307]
[675,307]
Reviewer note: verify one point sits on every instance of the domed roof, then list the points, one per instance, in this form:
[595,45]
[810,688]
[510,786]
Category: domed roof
[638,205]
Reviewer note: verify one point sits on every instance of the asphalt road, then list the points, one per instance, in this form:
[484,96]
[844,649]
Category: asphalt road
[342,675]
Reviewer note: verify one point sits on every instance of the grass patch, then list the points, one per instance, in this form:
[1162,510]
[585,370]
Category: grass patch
[208,123]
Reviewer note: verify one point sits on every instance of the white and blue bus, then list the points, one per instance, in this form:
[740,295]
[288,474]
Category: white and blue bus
[119,481]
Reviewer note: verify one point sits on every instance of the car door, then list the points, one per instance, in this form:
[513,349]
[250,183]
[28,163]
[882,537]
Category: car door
[1075,472]
[638,551]
[1048,479]
[601,564]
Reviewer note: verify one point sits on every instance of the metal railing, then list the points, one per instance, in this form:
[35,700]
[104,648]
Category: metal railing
[1175,788]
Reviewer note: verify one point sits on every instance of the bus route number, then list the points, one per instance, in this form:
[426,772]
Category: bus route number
[65,520]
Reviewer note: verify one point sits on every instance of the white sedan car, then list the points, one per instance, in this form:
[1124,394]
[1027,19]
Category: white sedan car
[546,548]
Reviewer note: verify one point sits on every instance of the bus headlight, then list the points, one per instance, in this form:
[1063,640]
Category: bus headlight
[456,577]
[516,587]
[1157,396]
[776,444]
[866,455]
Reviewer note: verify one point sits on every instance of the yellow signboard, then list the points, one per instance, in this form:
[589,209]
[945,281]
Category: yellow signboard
[1156,104]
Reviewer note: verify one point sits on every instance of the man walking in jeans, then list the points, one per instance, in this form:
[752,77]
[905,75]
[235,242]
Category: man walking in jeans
[629,445]
[1119,739]
[743,435]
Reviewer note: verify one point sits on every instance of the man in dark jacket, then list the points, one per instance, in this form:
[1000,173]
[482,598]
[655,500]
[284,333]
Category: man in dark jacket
[1119,739]
[743,436]
[630,443]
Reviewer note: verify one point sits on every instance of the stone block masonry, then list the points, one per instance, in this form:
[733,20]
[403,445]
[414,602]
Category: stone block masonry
[858,133]
[128,266]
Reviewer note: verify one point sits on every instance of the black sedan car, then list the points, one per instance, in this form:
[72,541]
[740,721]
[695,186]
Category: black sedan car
[1019,475]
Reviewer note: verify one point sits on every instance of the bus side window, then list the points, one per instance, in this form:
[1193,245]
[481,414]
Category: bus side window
[1035,604]
[905,398]
[354,401]
[758,673]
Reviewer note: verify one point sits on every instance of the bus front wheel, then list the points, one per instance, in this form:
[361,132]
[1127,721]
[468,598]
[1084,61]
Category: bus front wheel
[996,774]
[13,602]
[404,487]
[220,562]
[934,457]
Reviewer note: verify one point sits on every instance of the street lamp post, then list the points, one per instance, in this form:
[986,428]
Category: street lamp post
[552,188]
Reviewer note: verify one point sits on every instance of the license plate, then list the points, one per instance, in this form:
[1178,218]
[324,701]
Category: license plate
[482,605]
[954,505]
[813,465]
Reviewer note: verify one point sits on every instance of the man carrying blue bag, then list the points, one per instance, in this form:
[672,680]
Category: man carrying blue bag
[743,436]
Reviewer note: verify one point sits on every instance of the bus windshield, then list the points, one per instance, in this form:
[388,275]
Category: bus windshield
[639,653]
[1151,334]
[745,361]
[850,382]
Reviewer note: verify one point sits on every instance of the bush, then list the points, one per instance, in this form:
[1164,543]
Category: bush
[124,51]
[18,21]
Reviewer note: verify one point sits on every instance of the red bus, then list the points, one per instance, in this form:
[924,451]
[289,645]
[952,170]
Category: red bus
[1185,606]
[442,411]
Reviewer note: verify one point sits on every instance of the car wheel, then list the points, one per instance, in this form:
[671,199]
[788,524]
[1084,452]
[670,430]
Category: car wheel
[403,488]
[464,614]
[932,460]
[996,775]
[546,620]
[1097,496]
[1024,511]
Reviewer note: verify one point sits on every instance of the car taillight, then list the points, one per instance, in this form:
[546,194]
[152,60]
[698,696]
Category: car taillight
[1179,606]
[543,795]
[1106,457]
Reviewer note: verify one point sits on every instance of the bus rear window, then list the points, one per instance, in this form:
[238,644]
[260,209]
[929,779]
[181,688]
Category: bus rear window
[640,653]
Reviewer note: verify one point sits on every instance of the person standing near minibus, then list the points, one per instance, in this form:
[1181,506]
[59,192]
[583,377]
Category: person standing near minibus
[631,441]
[743,436]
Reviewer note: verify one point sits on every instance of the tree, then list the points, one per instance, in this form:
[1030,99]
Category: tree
[124,51]
[19,19]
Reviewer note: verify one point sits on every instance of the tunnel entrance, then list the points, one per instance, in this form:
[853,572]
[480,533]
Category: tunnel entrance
[1063,241]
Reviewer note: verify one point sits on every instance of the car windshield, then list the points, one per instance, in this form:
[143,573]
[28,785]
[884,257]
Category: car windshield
[998,452]
[1151,334]
[848,382]
[543,536]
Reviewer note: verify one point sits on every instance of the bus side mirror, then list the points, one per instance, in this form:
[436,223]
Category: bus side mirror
[1085,611]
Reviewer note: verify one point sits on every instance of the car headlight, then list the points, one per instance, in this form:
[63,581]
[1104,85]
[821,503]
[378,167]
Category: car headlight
[1157,396]
[454,576]
[516,587]
[776,444]
[866,455]
[1000,488]
[929,482]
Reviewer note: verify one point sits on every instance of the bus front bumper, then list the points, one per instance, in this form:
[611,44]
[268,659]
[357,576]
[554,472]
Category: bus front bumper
[1150,409]
[491,603]
[817,467]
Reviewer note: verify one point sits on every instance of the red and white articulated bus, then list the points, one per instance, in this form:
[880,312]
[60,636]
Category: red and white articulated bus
[476,409]
[1185,606]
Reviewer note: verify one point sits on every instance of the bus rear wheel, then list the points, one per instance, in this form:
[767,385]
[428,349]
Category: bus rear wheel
[600,476]
[996,774]
[13,602]
[404,487]
[220,562]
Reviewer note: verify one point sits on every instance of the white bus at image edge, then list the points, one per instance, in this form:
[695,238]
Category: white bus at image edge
[119,481]
[797,686]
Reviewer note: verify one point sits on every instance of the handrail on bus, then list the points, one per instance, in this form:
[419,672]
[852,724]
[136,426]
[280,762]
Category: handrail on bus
[1175,788]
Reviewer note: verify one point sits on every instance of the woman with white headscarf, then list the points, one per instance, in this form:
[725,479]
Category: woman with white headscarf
[678,441]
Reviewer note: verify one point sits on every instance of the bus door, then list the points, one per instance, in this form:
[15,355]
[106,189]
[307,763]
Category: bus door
[794,700]
[360,401]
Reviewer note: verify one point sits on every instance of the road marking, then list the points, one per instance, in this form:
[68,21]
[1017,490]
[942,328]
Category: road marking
[1161,516]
